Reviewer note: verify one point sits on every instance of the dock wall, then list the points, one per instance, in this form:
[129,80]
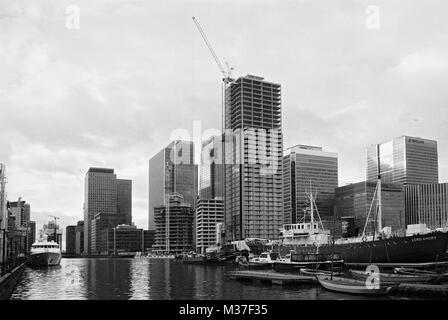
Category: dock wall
[9,281]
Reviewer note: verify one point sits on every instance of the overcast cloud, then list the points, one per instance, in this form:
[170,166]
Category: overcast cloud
[111,93]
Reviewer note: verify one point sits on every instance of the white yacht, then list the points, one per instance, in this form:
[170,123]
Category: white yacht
[45,253]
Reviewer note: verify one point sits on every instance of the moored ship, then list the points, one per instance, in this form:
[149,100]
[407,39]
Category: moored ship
[45,253]
[419,245]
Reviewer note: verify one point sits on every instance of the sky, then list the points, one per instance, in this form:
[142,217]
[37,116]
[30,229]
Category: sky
[110,88]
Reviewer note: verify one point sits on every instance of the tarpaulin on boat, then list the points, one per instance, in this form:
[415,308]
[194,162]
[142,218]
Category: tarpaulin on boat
[241,245]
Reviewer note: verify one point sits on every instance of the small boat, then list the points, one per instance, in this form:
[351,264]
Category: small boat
[393,278]
[317,272]
[352,286]
[264,261]
[411,271]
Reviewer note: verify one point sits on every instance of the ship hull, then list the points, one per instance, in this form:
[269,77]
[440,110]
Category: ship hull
[412,249]
[45,259]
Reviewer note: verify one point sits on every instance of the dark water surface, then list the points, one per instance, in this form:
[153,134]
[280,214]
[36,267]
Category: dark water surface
[145,278]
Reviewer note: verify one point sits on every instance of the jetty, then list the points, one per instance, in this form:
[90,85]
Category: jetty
[272,277]
[423,289]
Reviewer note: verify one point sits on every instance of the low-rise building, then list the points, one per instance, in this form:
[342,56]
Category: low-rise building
[353,203]
[428,204]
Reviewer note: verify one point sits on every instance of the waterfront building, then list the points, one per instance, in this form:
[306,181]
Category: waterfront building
[174,225]
[353,202]
[124,239]
[79,240]
[209,214]
[70,240]
[22,212]
[102,221]
[104,193]
[172,170]
[308,169]
[427,203]
[253,149]
[211,178]
[3,214]
[404,160]
[19,224]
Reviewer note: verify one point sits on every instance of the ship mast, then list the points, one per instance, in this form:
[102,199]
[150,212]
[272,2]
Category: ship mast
[312,209]
[380,213]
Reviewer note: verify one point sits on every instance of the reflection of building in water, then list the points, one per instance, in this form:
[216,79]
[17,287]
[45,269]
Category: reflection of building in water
[159,283]
[104,274]
[139,282]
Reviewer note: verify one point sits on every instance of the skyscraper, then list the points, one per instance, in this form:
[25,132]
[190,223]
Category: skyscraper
[70,239]
[106,194]
[305,168]
[211,180]
[253,159]
[404,160]
[79,240]
[124,199]
[172,170]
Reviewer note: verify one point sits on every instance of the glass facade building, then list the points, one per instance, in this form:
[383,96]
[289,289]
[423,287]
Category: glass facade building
[352,204]
[104,193]
[211,181]
[305,168]
[253,150]
[404,160]
[172,170]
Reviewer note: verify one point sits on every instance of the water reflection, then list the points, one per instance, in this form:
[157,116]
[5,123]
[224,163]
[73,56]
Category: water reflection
[143,278]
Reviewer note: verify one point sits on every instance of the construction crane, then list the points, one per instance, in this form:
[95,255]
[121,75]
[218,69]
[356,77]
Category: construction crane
[226,73]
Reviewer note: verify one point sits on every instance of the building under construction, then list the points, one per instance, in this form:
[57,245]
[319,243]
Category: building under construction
[174,226]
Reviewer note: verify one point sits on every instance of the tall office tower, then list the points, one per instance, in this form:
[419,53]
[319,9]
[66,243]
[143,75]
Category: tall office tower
[174,225]
[79,241]
[21,211]
[124,199]
[306,169]
[209,213]
[104,193]
[70,239]
[32,231]
[172,170]
[253,159]
[211,182]
[404,160]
